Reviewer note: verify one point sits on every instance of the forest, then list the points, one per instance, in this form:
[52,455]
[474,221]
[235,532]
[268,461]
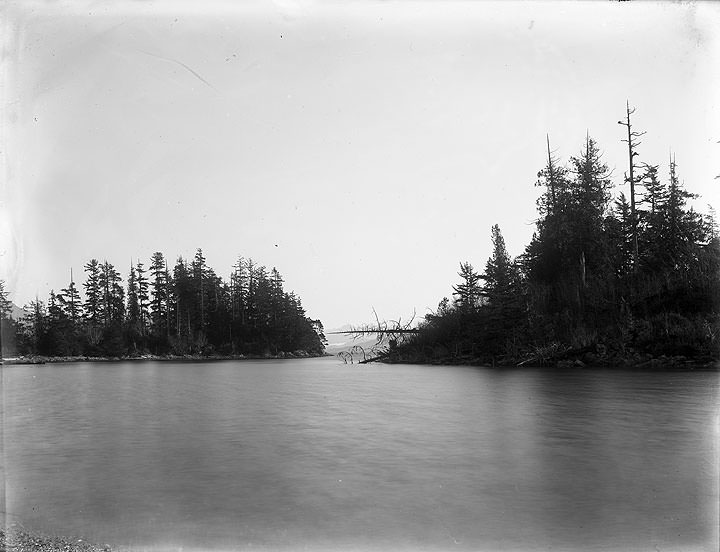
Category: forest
[187,311]
[606,279]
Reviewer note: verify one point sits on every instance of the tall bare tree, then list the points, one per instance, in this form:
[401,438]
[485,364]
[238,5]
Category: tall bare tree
[633,142]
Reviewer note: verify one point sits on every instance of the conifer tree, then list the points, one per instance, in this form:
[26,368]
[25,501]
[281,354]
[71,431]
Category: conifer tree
[682,228]
[35,327]
[184,299]
[70,300]
[8,327]
[544,256]
[159,306]
[276,294]
[5,303]
[133,304]
[93,293]
[142,296]
[113,295]
[198,268]
[467,292]
[621,237]
[502,277]
[590,202]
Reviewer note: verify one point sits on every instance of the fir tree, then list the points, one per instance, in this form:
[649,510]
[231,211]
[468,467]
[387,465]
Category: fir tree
[501,276]
[93,293]
[159,303]
[142,296]
[467,292]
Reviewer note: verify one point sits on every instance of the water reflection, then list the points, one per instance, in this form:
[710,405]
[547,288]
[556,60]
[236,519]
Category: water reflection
[319,455]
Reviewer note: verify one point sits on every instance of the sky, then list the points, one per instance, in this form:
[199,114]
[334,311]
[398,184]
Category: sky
[364,149]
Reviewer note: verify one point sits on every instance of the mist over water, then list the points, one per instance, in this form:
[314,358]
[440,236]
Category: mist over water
[317,455]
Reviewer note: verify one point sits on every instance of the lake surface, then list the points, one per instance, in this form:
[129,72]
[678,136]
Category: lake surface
[314,454]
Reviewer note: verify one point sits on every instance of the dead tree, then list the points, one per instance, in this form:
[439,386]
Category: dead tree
[632,142]
[389,335]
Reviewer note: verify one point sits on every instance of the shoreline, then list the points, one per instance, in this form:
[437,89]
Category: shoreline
[39,359]
[15,539]
[655,365]
[632,362]
[635,362]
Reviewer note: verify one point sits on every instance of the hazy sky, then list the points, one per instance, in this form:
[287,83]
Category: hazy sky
[364,149]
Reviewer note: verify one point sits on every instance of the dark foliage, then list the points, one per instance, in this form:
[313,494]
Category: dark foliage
[190,310]
[581,285]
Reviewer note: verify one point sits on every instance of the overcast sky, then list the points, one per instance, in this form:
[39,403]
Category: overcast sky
[364,149]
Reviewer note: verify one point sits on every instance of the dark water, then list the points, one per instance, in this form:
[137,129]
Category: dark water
[317,455]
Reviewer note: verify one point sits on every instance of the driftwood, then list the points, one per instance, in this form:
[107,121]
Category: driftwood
[544,354]
[389,335]
[381,356]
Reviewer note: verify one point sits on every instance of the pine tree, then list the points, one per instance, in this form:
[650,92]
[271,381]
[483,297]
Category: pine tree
[159,305]
[8,330]
[276,294]
[591,196]
[58,338]
[113,296]
[133,304]
[467,292]
[93,293]
[621,237]
[544,256]
[142,296]
[71,306]
[71,303]
[656,192]
[651,219]
[5,303]
[711,224]
[35,327]
[198,268]
[555,180]
[502,277]
[184,300]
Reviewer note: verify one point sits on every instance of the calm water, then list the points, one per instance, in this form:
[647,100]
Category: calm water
[318,455]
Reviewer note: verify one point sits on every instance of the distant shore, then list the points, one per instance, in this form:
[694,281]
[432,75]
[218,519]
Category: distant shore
[39,359]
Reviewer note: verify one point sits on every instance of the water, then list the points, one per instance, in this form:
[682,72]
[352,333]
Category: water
[317,455]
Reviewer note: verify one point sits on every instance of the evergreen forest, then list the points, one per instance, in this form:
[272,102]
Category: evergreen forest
[612,275]
[188,310]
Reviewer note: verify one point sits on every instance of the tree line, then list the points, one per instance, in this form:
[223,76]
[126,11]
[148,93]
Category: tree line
[611,277]
[188,310]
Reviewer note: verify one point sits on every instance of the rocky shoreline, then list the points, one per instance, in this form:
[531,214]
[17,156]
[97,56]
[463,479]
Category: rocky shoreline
[17,540]
[634,362]
[563,358]
[39,359]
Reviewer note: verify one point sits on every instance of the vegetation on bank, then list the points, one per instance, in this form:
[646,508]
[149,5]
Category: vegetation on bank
[157,358]
[605,280]
[189,311]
